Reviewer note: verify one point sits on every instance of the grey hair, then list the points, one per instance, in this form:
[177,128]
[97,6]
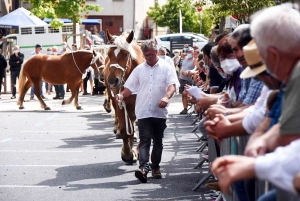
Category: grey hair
[277,27]
[214,57]
[148,44]
[162,49]
[239,31]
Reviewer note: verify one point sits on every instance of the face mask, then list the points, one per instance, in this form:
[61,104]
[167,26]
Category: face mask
[185,49]
[176,54]
[16,51]
[64,46]
[162,56]
[49,52]
[73,49]
[189,55]
[229,66]
[54,53]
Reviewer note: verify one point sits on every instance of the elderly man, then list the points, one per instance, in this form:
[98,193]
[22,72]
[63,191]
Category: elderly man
[38,49]
[281,54]
[185,78]
[15,62]
[155,82]
[162,53]
[64,48]
[59,89]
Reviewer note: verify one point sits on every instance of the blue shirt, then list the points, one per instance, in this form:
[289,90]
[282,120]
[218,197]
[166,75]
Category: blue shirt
[250,90]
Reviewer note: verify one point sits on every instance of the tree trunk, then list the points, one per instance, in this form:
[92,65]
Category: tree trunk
[74,32]
[222,25]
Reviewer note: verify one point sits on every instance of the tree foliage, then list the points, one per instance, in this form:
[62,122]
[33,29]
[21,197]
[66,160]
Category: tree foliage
[241,9]
[168,15]
[55,9]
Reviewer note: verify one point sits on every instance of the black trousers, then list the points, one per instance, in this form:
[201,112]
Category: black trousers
[151,128]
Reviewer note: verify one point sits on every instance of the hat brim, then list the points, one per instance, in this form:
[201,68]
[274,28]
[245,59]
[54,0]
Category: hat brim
[248,72]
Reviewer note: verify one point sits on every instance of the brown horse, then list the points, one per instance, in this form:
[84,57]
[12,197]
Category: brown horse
[67,68]
[122,57]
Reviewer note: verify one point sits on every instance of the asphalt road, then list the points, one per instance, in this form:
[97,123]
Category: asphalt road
[66,154]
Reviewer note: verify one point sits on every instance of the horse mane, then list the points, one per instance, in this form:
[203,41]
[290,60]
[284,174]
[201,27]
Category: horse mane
[84,51]
[121,43]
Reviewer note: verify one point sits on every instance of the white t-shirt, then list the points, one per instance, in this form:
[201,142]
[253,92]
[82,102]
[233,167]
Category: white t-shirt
[151,84]
[280,167]
[256,112]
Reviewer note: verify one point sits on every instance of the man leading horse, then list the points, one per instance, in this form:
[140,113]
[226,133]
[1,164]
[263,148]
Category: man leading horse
[154,81]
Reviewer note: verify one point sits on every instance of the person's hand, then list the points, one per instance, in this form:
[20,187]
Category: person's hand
[204,103]
[229,169]
[225,100]
[296,183]
[119,98]
[256,147]
[215,109]
[185,73]
[218,127]
[163,102]
[186,87]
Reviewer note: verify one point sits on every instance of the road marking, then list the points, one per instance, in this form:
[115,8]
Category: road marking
[41,151]
[20,186]
[85,131]
[53,140]
[6,140]
[34,165]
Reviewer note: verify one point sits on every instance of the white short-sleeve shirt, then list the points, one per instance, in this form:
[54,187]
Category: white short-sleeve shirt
[150,85]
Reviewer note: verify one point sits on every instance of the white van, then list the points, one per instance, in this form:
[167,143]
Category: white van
[45,35]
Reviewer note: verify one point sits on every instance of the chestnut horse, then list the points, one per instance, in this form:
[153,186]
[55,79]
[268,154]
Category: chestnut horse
[122,57]
[67,68]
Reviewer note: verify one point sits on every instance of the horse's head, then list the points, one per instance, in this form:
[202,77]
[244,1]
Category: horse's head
[120,56]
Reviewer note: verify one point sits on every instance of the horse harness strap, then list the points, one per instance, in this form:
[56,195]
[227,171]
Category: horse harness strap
[76,64]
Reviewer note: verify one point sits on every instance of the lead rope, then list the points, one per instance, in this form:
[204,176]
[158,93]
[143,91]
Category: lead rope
[76,63]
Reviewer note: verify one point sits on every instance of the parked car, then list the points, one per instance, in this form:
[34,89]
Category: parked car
[164,40]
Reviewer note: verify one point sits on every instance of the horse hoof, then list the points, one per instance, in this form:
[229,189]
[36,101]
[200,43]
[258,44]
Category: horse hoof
[63,102]
[115,131]
[118,137]
[129,161]
[79,108]
[21,107]
[108,111]
[47,108]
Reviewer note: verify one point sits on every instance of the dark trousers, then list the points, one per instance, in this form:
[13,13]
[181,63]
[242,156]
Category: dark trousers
[85,80]
[151,128]
[14,75]
[59,90]
[2,75]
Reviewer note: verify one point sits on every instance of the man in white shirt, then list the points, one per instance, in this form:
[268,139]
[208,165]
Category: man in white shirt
[162,53]
[38,49]
[155,82]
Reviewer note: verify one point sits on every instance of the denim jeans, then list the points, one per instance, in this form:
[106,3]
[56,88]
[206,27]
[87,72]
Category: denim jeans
[32,89]
[240,190]
[47,86]
[14,75]
[151,128]
[269,196]
[59,90]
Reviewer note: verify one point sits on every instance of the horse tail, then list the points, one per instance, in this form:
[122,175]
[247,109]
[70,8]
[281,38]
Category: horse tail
[22,81]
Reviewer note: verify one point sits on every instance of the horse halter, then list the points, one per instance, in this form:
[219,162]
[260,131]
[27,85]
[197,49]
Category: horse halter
[94,61]
[123,69]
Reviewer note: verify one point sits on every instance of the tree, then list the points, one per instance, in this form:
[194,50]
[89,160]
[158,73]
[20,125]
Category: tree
[168,15]
[207,22]
[55,9]
[240,9]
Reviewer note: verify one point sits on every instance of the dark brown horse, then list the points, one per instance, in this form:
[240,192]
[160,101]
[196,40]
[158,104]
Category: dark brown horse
[122,57]
[67,68]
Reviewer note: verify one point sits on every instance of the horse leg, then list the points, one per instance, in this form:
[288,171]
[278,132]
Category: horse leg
[37,92]
[77,85]
[72,87]
[22,96]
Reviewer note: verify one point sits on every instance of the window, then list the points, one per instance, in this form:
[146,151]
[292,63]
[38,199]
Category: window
[26,31]
[165,39]
[39,30]
[109,22]
[52,30]
[68,28]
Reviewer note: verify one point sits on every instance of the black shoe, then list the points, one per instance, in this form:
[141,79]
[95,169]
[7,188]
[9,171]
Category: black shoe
[184,111]
[43,97]
[141,175]
[13,97]
[85,93]
[56,97]
[61,98]
[31,98]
